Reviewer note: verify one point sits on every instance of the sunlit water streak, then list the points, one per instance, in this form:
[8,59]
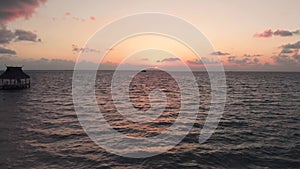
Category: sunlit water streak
[260,127]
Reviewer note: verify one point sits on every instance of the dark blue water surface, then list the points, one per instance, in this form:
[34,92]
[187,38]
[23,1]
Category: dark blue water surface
[260,127]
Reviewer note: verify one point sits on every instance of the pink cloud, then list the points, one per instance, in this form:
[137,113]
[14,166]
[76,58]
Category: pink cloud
[93,18]
[279,32]
[11,10]
[68,14]
[266,34]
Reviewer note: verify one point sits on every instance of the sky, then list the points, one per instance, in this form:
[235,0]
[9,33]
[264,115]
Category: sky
[246,35]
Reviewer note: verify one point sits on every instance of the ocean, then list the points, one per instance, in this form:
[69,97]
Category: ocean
[260,127]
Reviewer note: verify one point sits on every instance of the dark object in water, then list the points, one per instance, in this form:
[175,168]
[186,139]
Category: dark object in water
[14,78]
[144,71]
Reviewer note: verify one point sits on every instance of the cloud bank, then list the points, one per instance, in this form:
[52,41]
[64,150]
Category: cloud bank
[76,49]
[281,33]
[219,53]
[7,36]
[11,10]
[7,51]
[170,60]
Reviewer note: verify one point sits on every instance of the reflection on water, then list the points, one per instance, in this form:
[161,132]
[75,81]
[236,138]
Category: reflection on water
[260,126]
[145,100]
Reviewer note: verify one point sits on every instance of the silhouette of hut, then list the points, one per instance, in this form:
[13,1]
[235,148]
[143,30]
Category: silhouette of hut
[14,78]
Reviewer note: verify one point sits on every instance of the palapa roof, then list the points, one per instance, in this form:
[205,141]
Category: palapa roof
[14,73]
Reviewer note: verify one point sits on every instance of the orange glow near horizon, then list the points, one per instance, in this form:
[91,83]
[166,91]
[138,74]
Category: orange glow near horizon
[134,44]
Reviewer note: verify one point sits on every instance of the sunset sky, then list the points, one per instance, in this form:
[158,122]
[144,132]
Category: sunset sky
[247,35]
